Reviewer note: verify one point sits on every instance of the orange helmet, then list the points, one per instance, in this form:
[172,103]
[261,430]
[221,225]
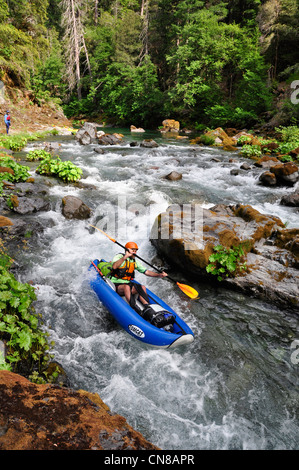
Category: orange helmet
[132,245]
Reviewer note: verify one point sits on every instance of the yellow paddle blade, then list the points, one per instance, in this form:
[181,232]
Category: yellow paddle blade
[110,238]
[192,293]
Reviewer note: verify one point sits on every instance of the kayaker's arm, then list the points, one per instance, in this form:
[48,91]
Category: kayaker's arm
[120,261]
[153,274]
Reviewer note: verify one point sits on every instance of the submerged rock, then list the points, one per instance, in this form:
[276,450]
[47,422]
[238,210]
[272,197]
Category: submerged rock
[187,238]
[48,417]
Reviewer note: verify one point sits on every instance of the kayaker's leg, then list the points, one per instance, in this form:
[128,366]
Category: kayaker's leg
[124,289]
[143,299]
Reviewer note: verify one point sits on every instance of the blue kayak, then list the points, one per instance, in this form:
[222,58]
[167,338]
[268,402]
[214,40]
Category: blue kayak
[143,323]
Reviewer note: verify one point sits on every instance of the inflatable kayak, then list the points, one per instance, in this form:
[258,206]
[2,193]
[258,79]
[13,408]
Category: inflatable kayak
[157,324]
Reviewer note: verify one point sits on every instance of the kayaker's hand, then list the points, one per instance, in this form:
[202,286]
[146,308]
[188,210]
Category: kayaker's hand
[129,253]
[163,274]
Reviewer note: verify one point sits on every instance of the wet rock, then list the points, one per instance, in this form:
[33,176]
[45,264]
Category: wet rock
[26,205]
[291,200]
[21,233]
[83,137]
[187,238]
[52,146]
[170,125]
[99,150]
[136,129]
[74,208]
[266,162]
[110,139]
[29,197]
[87,133]
[268,179]
[286,173]
[174,176]
[245,166]
[149,143]
[48,417]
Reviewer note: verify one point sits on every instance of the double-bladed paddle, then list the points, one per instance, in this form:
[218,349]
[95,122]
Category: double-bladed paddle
[189,291]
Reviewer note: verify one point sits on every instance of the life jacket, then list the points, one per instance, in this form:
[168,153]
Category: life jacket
[127,271]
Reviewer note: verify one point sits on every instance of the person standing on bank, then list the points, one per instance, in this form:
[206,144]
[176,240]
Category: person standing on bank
[7,121]
[123,272]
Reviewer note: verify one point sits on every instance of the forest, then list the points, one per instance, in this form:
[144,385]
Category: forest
[205,63]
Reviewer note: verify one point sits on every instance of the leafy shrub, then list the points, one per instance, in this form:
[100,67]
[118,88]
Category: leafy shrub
[37,154]
[244,139]
[15,143]
[207,139]
[19,325]
[67,171]
[251,151]
[226,262]
[21,172]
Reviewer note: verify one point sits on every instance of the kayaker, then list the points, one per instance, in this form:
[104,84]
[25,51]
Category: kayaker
[123,272]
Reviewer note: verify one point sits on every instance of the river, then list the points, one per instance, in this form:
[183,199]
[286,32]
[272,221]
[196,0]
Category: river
[236,385]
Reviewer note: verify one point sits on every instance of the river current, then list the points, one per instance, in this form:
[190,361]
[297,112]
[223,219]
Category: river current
[236,385]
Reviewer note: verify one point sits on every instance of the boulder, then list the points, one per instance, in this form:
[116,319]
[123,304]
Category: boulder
[74,208]
[136,129]
[83,137]
[87,133]
[29,198]
[221,138]
[186,236]
[268,179]
[28,205]
[170,125]
[48,417]
[286,173]
[21,233]
[110,139]
[174,176]
[266,162]
[291,200]
[149,143]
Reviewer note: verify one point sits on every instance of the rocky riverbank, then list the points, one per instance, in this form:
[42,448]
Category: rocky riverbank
[271,251]
[48,417]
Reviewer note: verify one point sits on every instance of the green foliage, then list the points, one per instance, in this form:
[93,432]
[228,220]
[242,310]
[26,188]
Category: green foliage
[251,151]
[226,262]
[67,171]
[211,63]
[131,94]
[19,325]
[21,172]
[207,139]
[37,154]
[244,139]
[13,142]
[289,136]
